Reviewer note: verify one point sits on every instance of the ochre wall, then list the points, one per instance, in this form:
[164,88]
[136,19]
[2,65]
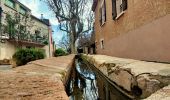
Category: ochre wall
[142,32]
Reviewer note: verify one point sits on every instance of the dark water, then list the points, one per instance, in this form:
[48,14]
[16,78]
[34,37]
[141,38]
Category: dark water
[87,84]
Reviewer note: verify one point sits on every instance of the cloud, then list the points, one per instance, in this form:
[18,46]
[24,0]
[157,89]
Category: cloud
[39,7]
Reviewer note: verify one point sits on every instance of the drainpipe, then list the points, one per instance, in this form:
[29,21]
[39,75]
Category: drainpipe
[0,27]
[0,20]
[49,41]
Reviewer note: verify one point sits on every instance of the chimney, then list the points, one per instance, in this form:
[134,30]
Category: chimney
[42,17]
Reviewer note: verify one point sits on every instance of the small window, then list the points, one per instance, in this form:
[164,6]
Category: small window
[96,44]
[22,10]
[10,3]
[102,44]
[103,13]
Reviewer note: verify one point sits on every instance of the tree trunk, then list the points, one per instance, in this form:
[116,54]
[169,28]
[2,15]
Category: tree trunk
[72,44]
[73,37]
[73,51]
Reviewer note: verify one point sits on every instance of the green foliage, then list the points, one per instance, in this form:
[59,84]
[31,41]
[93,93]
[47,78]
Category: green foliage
[45,42]
[23,56]
[17,29]
[60,52]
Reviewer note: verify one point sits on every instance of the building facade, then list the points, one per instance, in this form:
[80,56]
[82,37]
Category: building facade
[20,29]
[137,29]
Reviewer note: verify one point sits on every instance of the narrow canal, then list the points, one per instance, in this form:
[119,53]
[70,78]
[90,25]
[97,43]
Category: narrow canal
[87,84]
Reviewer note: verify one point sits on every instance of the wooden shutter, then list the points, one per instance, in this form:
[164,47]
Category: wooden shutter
[114,12]
[105,10]
[1,12]
[124,2]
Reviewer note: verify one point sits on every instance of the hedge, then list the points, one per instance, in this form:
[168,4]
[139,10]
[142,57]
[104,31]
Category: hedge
[59,52]
[23,56]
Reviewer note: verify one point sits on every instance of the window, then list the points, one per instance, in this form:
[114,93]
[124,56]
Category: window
[118,8]
[22,10]
[10,3]
[95,44]
[102,44]
[103,13]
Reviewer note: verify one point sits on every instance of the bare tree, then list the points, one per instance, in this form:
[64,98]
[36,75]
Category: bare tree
[72,16]
[84,40]
[64,43]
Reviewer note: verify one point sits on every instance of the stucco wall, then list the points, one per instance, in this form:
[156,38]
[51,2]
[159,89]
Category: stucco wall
[37,25]
[140,33]
[46,48]
[6,50]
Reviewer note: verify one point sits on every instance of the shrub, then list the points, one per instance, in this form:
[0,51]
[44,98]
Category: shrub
[60,52]
[23,56]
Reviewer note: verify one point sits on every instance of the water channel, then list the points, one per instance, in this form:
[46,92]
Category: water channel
[87,84]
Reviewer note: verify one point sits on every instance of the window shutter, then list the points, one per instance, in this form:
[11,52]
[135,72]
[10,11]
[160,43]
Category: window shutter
[124,2]
[114,12]
[105,10]
[1,13]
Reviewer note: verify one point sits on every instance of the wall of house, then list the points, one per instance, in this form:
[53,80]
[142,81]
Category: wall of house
[37,25]
[46,48]
[45,30]
[51,42]
[140,33]
[6,50]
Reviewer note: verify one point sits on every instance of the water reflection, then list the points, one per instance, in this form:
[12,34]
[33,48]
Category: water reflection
[83,83]
[88,84]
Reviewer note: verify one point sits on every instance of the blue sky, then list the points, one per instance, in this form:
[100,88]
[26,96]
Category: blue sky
[39,7]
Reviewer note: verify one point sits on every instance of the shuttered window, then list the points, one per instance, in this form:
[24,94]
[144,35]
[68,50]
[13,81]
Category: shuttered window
[103,13]
[114,12]
[22,10]
[10,3]
[124,2]
[118,8]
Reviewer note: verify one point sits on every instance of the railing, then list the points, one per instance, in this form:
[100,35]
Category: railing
[25,37]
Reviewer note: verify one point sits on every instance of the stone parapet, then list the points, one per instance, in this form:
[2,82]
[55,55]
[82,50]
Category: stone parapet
[138,77]
[38,80]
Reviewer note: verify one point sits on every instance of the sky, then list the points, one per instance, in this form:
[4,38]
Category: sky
[39,7]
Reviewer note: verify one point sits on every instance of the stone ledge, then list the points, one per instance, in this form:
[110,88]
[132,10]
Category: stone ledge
[162,94]
[133,75]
